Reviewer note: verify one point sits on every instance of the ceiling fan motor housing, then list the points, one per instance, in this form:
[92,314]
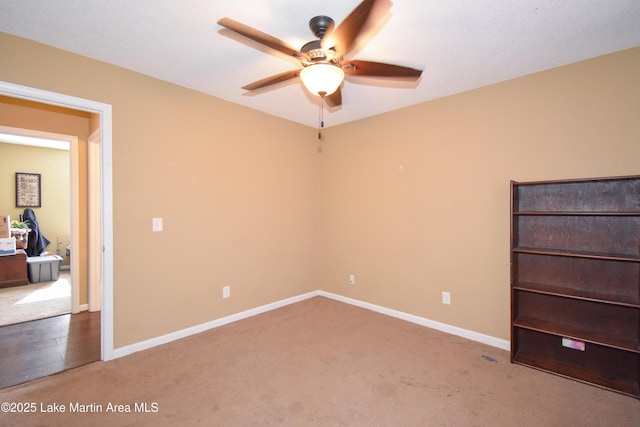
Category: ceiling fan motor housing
[316,54]
[320,25]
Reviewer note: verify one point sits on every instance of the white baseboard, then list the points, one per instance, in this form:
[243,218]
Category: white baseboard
[167,338]
[164,339]
[453,330]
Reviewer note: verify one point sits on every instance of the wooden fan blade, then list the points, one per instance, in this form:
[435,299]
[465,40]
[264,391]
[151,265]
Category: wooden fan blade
[334,99]
[360,22]
[259,36]
[379,69]
[272,80]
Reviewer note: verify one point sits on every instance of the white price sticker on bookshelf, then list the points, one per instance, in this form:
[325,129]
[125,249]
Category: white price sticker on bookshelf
[573,344]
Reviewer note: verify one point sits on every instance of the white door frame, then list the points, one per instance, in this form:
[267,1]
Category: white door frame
[106,191]
[93,202]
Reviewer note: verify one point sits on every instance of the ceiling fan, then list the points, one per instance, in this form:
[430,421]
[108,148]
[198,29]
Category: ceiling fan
[323,63]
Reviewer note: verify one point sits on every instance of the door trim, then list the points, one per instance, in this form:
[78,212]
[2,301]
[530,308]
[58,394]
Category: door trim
[106,190]
[93,203]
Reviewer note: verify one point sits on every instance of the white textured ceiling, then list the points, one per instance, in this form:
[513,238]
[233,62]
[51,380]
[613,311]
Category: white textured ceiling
[460,44]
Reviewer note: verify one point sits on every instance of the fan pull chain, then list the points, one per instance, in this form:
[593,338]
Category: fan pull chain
[321,114]
[320,120]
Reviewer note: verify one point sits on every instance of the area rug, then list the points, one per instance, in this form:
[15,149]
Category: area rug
[35,301]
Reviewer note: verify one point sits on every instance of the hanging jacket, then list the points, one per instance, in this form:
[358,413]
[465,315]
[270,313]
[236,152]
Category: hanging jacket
[37,242]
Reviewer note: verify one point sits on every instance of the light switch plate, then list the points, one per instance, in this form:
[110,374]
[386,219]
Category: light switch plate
[156,224]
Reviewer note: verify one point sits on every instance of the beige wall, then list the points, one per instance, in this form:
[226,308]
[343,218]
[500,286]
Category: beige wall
[412,202]
[416,202]
[236,188]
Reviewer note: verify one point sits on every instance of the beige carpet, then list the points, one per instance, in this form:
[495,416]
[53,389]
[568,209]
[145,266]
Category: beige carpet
[317,363]
[35,301]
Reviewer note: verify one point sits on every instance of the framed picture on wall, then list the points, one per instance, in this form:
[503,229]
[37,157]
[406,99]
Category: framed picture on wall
[28,190]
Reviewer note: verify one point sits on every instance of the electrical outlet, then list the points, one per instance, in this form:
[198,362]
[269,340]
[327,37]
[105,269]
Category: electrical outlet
[446,298]
[352,279]
[226,292]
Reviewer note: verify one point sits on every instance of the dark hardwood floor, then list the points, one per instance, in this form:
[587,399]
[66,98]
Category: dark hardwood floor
[39,348]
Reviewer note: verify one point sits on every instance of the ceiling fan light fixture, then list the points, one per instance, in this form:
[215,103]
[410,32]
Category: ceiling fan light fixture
[322,79]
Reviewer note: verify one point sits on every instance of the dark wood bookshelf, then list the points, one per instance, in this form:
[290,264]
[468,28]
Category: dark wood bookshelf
[583,334]
[578,294]
[575,279]
[576,372]
[576,213]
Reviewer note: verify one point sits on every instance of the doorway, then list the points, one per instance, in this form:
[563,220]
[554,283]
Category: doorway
[54,157]
[104,215]
[38,334]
